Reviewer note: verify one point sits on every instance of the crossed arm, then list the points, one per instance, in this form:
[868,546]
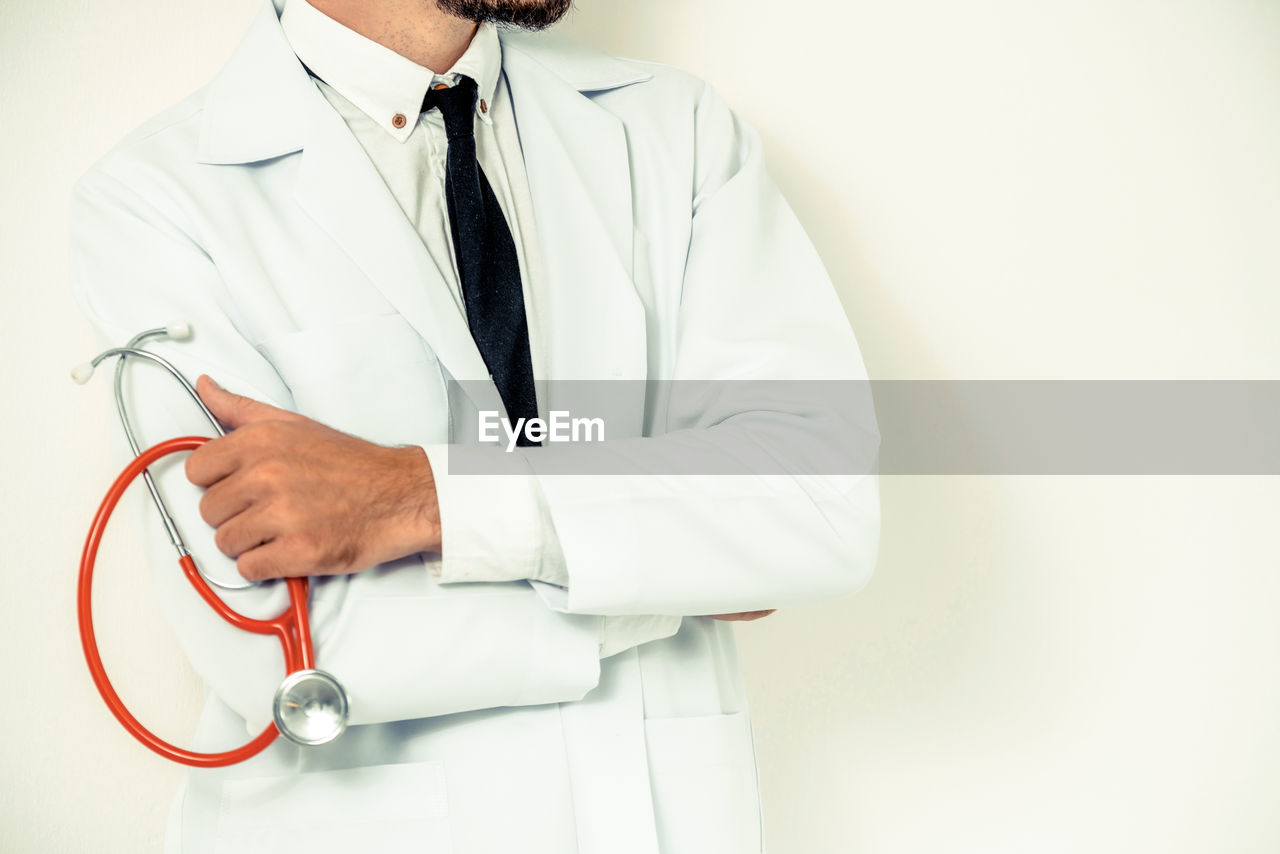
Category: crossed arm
[313,500]
[289,496]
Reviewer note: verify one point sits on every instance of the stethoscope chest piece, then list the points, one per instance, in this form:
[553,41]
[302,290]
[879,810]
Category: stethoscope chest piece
[310,708]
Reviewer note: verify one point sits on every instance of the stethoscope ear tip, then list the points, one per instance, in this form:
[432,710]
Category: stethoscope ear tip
[178,330]
[82,372]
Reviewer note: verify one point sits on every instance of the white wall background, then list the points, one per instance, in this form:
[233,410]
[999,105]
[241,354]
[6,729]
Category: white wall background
[1001,189]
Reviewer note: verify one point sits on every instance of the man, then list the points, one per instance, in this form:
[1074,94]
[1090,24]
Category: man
[382,219]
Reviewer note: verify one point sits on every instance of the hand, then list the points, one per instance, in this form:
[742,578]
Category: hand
[290,496]
[744,616]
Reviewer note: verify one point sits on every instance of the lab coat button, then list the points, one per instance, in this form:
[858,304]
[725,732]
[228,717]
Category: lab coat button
[398,120]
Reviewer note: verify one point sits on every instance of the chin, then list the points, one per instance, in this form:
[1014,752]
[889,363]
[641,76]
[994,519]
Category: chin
[525,14]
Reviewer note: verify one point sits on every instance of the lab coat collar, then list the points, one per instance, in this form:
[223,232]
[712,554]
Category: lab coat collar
[386,86]
[579,66]
[255,108]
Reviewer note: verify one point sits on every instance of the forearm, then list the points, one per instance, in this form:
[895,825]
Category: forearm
[404,646]
[643,525]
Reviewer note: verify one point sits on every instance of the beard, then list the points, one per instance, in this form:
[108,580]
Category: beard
[526,14]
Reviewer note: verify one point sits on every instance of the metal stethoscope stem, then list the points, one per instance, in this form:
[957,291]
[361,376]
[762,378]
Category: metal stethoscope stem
[82,373]
[310,706]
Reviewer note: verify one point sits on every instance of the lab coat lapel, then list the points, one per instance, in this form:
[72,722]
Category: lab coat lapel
[341,190]
[263,105]
[575,154]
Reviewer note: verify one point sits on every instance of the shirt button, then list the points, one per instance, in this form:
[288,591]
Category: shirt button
[397,121]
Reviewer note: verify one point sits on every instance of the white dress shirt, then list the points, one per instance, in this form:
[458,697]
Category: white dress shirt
[496,527]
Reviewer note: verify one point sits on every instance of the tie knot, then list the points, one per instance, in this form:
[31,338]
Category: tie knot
[457,105]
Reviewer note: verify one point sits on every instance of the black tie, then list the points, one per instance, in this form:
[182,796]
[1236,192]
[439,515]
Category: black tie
[487,263]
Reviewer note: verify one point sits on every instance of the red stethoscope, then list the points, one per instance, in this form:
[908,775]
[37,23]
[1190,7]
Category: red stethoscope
[310,706]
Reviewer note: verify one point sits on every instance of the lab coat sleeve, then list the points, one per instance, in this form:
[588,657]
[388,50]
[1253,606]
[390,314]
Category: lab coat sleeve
[499,528]
[757,312]
[495,528]
[404,646]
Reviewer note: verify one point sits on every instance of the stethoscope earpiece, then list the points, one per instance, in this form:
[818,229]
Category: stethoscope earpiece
[179,330]
[82,373]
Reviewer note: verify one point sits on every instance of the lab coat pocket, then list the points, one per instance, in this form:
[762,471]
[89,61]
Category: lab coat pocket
[383,808]
[373,376]
[705,798]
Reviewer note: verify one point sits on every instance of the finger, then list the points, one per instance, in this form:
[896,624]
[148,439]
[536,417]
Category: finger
[236,410]
[244,532]
[213,461]
[227,497]
[269,560]
[742,617]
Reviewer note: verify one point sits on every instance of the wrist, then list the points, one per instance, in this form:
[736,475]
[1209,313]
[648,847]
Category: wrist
[417,523]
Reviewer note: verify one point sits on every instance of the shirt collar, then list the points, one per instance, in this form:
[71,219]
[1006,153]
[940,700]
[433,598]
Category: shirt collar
[377,80]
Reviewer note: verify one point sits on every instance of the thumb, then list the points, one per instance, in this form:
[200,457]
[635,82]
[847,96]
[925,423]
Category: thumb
[236,410]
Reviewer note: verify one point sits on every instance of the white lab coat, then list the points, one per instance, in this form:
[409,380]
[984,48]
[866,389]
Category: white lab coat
[482,717]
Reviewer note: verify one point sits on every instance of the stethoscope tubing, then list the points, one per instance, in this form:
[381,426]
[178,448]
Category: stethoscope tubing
[291,626]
